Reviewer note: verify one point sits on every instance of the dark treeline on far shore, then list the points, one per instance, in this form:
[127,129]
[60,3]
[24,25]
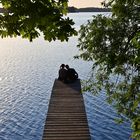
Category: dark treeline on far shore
[74,9]
[88,9]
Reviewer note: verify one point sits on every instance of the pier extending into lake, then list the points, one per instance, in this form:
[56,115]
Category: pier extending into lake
[66,117]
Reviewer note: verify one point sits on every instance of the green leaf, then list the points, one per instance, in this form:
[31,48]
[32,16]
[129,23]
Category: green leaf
[112,43]
[45,16]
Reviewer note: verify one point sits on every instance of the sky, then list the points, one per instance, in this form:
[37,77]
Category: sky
[85,3]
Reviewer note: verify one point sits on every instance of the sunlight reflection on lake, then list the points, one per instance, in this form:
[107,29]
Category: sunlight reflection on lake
[27,73]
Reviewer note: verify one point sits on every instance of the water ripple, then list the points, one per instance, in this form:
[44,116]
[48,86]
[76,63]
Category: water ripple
[26,79]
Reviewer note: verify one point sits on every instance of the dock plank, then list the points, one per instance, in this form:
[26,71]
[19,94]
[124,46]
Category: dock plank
[66,117]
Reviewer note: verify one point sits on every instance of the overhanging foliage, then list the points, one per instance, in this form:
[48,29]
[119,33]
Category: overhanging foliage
[113,44]
[28,18]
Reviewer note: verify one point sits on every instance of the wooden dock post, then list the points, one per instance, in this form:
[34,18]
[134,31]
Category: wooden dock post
[66,118]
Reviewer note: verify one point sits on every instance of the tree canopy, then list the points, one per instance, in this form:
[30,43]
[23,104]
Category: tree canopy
[30,18]
[113,44]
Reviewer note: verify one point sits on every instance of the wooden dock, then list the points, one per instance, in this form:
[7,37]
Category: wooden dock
[66,118]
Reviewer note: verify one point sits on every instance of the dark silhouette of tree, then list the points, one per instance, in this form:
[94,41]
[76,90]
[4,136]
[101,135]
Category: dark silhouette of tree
[28,18]
[113,44]
[72,9]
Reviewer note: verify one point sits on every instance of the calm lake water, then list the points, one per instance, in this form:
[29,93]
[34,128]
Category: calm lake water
[27,73]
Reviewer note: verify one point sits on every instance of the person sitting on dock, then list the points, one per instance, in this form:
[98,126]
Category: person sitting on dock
[72,75]
[62,73]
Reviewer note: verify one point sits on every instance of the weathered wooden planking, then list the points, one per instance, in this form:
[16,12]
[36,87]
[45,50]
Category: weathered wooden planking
[66,118]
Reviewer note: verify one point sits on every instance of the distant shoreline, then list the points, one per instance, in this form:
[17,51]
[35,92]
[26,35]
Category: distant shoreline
[77,10]
[88,9]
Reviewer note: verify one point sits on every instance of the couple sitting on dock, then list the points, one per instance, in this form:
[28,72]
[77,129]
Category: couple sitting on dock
[67,74]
